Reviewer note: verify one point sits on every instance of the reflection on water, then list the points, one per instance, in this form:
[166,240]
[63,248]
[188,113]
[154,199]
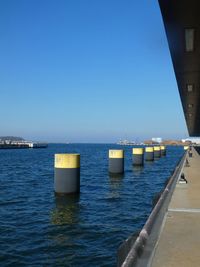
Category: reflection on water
[116,184]
[116,176]
[116,180]
[66,211]
[137,170]
[149,162]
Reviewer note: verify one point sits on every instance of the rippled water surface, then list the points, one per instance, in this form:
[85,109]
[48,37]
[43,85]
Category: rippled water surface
[38,229]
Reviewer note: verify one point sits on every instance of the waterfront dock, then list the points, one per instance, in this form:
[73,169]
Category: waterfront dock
[21,144]
[171,235]
[179,241]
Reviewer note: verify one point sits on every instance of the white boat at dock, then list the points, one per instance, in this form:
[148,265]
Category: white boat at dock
[8,144]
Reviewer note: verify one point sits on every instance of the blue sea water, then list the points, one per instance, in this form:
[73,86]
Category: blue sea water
[39,229]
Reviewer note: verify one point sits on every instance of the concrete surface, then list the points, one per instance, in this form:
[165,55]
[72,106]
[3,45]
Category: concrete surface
[179,241]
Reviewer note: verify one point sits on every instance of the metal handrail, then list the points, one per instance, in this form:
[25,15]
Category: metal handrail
[141,240]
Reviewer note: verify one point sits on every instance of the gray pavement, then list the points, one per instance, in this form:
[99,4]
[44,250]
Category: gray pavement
[179,241]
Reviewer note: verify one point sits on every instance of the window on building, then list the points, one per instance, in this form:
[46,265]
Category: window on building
[190,88]
[189,40]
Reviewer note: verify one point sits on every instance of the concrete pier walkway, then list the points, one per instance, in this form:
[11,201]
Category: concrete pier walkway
[179,241]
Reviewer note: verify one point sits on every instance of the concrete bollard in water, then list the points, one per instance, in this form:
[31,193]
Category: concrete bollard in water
[163,150]
[157,153]
[138,156]
[116,161]
[67,173]
[149,153]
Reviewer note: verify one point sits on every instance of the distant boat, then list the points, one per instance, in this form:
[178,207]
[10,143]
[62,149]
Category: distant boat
[8,144]
[37,145]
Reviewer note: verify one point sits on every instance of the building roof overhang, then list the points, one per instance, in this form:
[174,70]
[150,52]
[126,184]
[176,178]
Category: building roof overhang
[182,24]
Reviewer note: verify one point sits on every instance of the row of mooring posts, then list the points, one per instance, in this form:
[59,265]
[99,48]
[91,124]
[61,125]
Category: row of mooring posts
[67,166]
[116,157]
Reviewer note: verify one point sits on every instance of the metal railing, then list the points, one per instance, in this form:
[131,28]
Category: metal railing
[132,250]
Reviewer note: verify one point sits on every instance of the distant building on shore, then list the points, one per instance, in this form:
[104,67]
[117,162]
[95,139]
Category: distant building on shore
[157,140]
[168,142]
[126,142]
[193,140]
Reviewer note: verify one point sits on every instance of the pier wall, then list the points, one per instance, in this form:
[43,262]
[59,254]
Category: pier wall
[137,251]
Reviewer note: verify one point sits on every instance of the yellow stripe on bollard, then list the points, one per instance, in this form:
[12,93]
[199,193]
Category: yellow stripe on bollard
[67,161]
[149,149]
[156,148]
[116,153]
[138,151]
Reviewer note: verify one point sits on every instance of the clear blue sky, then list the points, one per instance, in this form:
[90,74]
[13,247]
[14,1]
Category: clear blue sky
[86,71]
